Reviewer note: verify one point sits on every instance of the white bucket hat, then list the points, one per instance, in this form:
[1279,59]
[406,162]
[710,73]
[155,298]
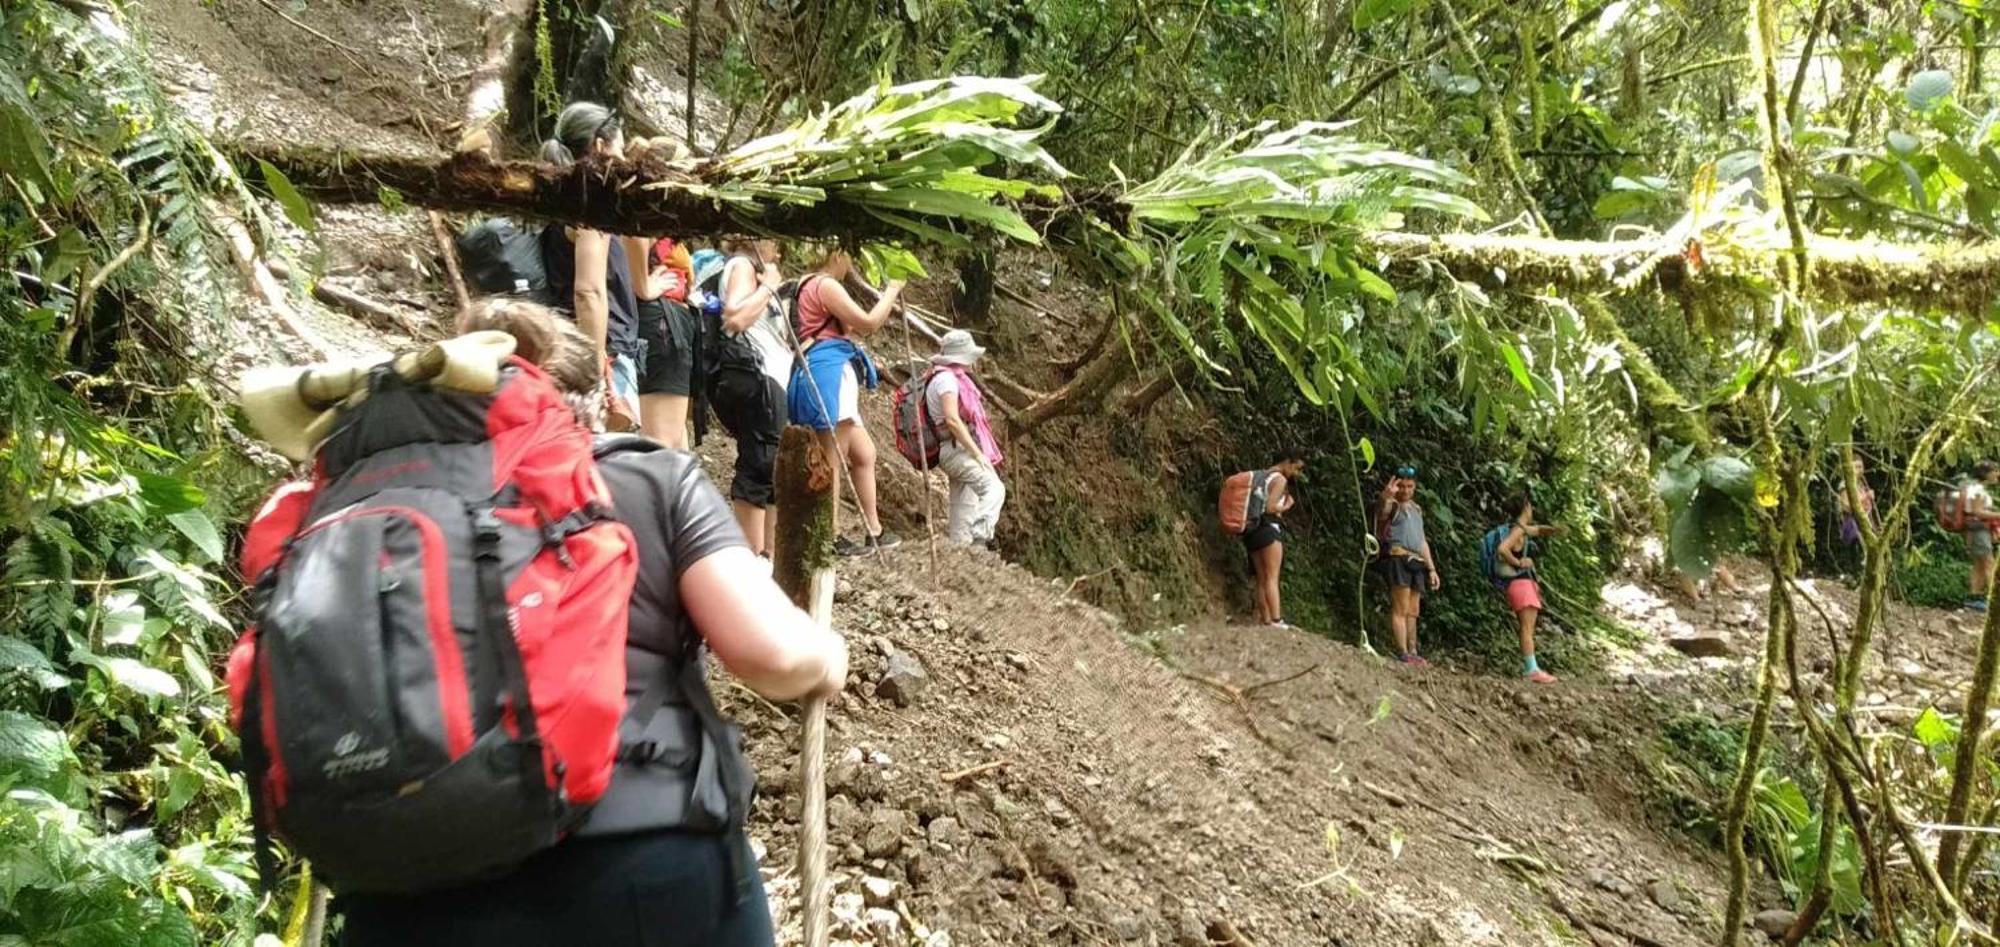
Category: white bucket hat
[957,348]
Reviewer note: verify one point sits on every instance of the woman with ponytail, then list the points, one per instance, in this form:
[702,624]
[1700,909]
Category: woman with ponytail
[590,270]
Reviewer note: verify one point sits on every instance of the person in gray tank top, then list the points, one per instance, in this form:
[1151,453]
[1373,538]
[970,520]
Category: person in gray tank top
[1406,561]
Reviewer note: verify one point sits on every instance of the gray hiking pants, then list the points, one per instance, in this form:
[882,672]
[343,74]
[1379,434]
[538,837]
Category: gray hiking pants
[976,495]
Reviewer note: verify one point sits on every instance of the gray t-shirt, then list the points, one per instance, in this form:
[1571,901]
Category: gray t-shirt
[1406,528]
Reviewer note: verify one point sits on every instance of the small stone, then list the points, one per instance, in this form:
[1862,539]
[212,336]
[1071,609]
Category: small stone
[878,891]
[903,679]
[996,741]
[884,835]
[1664,894]
[886,925]
[1126,927]
[938,939]
[1774,923]
[841,812]
[1057,812]
[1700,646]
[1192,932]
[1018,660]
[946,831]
[940,625]
[846,909]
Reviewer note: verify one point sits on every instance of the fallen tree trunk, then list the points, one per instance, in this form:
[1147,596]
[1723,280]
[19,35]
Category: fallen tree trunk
[507,46]
[647,198]
[1084,393]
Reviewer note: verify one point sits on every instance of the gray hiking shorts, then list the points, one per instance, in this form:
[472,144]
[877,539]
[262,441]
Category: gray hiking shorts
[1979,541]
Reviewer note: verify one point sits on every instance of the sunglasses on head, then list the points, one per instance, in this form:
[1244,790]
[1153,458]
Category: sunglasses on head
[1410,472]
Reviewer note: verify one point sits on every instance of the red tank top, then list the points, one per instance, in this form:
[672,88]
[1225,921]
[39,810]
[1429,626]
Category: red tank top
[815,320]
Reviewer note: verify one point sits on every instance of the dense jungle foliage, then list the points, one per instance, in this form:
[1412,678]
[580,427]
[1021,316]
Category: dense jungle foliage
[1716,413]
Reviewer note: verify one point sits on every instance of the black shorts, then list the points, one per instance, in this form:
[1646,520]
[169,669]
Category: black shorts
[666,335]
[1262,535]
[751,406]
[673,889]
[1404,572]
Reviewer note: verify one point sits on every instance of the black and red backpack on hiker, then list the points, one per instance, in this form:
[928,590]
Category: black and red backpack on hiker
[917,435]
[432,687]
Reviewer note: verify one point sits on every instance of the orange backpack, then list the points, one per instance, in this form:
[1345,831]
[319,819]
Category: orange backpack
[1244,496]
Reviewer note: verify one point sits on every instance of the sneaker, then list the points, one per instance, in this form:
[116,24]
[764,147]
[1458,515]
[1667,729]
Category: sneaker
[842,546]
[1975,604]
[1281,625]
[1539,676]
[885,540]
[1415,661]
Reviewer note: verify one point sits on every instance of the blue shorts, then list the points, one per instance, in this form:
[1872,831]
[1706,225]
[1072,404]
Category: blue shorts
[625,383]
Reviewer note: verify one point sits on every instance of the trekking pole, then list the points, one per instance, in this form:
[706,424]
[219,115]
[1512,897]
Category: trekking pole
[802,565]
[924,469]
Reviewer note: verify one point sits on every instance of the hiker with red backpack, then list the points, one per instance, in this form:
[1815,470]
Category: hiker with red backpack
[1250,505]
[968,453]
[1507,555]
[825,391]
[1406,562]
[483,715]
[1968,508]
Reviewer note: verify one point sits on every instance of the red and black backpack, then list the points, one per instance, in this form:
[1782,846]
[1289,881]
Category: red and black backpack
[432,686]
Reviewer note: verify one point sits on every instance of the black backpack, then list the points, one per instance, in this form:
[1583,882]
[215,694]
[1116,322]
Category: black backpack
[500,256]
[719,350]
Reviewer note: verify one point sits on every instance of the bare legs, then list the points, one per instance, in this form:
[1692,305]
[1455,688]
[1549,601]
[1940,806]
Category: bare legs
[859,450]
[1269,562]
[1528,618]
[664,419]
[1404,607]
[757,523]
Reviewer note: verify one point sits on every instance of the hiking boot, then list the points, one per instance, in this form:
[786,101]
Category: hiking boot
[1975,604]
[1539,676]
[842,546]
[884,540]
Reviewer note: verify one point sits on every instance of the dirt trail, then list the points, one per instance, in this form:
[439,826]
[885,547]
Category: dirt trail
[1352,804]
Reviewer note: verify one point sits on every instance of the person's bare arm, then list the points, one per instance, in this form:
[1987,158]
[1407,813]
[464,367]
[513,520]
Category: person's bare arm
[640,268]
[758,634]
[959,431]
[592,301]
[744,297]
[1514,547]
[858,320]
[1281,496]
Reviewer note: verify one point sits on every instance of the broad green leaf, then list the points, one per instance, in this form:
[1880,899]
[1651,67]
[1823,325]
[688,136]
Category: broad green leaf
[1903,144]
[138,677]
[1369,13]
[1934,731]
[297,210]
[169,494]
[18,655]
[124,619]
[1691,548]
[1928,88]
[1730,475]
[27,745]
[1367,448]
[199,530]
[130,857]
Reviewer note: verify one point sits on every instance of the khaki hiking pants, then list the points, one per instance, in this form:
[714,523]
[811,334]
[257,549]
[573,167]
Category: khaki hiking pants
[976,496]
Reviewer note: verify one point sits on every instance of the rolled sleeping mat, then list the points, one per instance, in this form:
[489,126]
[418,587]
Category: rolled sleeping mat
[292,407]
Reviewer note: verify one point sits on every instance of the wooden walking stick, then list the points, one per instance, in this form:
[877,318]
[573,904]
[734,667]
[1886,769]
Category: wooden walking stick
[802,564]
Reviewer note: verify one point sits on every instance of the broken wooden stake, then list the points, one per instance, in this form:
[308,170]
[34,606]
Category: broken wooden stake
[802,565]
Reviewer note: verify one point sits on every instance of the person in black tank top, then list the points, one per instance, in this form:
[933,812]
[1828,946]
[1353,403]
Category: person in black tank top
[589,267]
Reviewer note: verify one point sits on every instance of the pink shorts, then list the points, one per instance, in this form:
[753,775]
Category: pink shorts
[1524,594]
